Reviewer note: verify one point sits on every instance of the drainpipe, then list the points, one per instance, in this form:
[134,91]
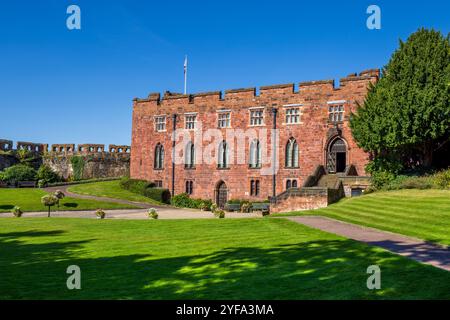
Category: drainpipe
[174,121]
[274,156]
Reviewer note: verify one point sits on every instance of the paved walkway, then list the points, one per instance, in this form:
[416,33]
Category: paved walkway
[137,214]
[105,199]
[164,211]
[419,250]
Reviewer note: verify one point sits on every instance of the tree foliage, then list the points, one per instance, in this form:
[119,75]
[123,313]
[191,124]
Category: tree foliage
[406,115]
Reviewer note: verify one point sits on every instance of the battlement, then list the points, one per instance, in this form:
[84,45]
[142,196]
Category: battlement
[172,98]
[63,149]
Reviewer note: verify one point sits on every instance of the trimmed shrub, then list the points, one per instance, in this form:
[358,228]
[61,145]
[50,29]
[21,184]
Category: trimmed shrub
[219,213]
[183,200]
[17,212]
[100,213]
[158,194]
[19,172]
[152,213]
[49,200]
[135,185]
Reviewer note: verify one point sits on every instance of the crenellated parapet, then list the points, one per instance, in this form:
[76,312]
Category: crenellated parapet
[113,148]
[6,145]
[91,148]
[63,148]
[304,88]
[32,147]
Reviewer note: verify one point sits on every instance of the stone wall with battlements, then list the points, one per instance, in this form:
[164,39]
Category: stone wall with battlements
[314,133]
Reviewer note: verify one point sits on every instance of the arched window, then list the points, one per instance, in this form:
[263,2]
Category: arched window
[223,155]
[294,183]
[288,184]
[189,155]
[255,154]
[292,154]
[159,156]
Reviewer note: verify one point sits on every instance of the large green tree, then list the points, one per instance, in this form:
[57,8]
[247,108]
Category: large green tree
[406,115]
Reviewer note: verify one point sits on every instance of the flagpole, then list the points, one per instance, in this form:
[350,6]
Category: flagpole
[185,74]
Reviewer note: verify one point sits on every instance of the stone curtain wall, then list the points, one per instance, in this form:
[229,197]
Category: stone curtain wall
[98,163]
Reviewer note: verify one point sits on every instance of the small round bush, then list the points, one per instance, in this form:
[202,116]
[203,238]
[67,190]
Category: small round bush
[17,212]
[100,213]
[152,213]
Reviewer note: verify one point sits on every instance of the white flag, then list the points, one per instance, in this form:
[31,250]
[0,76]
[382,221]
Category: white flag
[185,64]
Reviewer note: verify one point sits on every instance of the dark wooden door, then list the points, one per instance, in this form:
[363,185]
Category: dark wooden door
[222,194]
[337,156]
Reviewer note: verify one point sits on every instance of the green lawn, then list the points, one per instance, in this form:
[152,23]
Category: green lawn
[200,259]
[424,214]
[110,189]
[30,200]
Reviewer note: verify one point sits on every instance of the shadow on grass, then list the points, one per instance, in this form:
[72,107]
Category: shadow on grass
[70,205]
[324,269]
[6,207]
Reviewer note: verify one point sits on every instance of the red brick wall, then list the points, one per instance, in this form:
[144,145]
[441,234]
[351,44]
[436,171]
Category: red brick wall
[311,133]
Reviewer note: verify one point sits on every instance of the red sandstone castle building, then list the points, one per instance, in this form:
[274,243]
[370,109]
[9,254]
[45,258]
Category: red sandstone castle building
[312,139]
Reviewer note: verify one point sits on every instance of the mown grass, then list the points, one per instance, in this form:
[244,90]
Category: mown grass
[110,189]
[200,259]
[423,214]
[30,200]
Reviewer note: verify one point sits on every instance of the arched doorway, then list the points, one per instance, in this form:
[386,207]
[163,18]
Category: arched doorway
[336,156]
[221,194]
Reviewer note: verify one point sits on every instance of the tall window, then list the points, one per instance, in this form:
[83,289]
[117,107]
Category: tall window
[189,156]
[292,115]
[254,187]
[224,120]
[191,119]
[257,117]
[336,113]
[159,156]
[223,155]
[189,187]
[292,154]
[160,123]
[255,154]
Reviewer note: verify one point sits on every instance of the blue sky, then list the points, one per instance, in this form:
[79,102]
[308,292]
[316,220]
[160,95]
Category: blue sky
[62,86]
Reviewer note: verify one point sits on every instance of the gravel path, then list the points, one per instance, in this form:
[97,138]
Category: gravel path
[419,250]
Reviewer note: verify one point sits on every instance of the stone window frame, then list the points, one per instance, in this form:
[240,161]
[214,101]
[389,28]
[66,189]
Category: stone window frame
[255,187]
[292,154]
[159,160]
[291,183]
[263,117]
[189,156]
[164,123]
[189,187]
[336,111]
[223,155]
[255,154]
[288,107]
[222,112]
[188,122]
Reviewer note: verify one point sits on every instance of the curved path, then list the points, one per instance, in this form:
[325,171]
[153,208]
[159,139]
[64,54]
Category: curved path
[66,191]
[416,249]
